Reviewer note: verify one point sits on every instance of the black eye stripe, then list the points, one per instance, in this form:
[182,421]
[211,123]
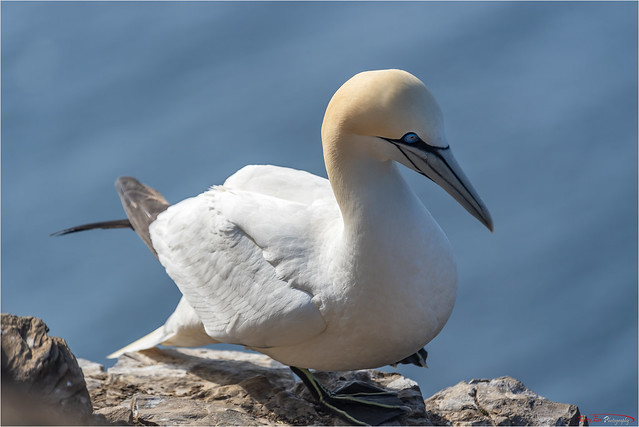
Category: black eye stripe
[419,143]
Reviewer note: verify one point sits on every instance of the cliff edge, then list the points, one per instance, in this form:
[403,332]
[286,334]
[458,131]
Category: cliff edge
[43,383]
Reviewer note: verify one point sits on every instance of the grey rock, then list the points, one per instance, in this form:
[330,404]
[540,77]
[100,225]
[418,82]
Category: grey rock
[502,401]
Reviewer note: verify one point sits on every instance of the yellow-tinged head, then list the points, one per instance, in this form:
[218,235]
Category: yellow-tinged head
[390,115]
[386,103]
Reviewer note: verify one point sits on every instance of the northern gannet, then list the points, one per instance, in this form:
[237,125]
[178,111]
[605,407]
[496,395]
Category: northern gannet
[347,273]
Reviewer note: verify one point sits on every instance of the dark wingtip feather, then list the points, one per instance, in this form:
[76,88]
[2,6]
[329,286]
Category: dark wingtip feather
[120,223]
[142,205]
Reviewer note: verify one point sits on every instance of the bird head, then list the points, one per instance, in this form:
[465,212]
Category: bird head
[395,117]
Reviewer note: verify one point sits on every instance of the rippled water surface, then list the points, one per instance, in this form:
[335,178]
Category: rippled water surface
[540,101]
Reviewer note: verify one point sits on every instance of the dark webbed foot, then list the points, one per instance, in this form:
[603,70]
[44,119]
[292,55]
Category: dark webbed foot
[418,359]
[357,402]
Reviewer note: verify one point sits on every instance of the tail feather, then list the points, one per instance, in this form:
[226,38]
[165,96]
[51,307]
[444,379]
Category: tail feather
[148,341]
[182,329]
[118,223]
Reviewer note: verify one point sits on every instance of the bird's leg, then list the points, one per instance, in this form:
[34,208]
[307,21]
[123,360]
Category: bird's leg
[358,403]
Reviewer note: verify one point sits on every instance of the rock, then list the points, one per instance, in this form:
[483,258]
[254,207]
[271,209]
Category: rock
[209,387]
[41,380]
[42,383]
[502,401]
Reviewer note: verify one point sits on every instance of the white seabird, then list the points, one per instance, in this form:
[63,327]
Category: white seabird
[347,273]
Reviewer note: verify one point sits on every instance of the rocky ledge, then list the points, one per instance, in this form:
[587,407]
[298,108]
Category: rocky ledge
[42,383]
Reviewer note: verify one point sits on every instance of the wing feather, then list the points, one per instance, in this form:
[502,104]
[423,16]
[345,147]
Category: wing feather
[282,183]
[223,271]
[142,205]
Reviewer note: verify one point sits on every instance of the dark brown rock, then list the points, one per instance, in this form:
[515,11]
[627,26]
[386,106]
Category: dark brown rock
[41,380]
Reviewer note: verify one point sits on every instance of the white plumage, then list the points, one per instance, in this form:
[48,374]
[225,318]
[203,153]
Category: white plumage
[348,274]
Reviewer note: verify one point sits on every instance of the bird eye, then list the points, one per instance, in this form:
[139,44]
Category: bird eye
[410,138]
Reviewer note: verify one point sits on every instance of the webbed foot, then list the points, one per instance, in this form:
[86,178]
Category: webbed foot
[357,402]
[418,359]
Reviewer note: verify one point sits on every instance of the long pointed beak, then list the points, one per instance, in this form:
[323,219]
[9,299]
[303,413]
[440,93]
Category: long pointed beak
[440,165]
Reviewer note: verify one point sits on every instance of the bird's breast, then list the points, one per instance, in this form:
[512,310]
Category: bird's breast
[404,290]
[381,303]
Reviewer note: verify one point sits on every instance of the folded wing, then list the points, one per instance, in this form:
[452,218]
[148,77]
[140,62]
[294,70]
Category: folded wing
[241,255]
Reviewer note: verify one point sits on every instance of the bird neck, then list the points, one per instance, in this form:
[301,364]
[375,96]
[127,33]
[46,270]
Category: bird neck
[389,242]
[371,193]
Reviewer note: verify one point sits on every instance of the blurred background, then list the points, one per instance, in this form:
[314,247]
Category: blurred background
[540,103]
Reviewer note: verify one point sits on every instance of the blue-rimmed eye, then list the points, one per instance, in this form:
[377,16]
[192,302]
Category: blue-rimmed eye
[410,138]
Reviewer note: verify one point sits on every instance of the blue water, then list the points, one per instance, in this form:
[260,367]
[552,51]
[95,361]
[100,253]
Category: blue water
[540,102]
